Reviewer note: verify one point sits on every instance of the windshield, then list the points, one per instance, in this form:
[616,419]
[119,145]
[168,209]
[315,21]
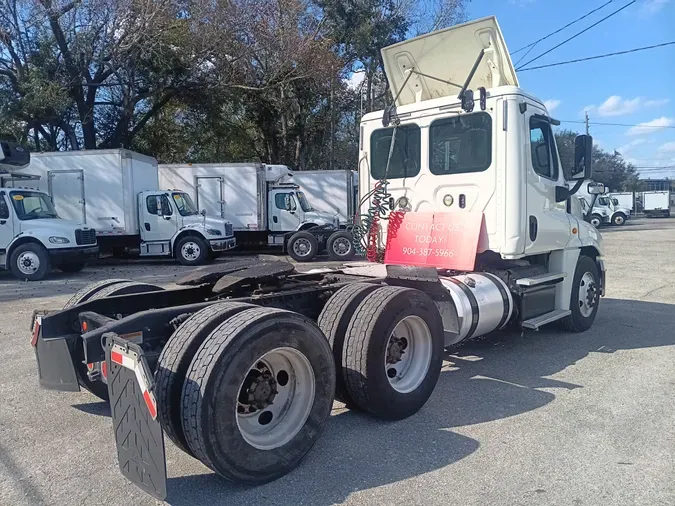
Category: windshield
[184,204]
[30,205]
[303,202]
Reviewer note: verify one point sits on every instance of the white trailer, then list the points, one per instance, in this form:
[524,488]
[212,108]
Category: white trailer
[264,205]
[33,238]
[117,192]
[330,191]
[656,203]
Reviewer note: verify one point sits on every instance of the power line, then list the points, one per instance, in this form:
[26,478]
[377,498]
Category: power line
[533,44]
[579,33]
[597,57]
[617,124]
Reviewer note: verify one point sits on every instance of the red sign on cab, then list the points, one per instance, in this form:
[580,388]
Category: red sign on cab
[441,240]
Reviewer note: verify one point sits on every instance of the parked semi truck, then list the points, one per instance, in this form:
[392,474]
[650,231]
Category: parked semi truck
[33,237]
[656,204]
[331,191]
[117,192]
[265,206]
[240,364]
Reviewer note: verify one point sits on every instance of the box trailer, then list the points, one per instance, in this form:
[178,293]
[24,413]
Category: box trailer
[656,203]
[117,192]
[623,199]
[264,204]
[331,191]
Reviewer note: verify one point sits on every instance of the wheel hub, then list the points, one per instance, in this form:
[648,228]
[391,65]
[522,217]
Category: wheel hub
[396,349]
[28,262]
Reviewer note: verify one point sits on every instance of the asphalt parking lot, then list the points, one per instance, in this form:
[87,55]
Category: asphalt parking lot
[541,418]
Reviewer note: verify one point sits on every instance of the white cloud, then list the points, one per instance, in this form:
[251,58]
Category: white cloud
[650,7]
[551,104]
[651,126]
[626,148]
[668,147]
[617,106]
[355,80]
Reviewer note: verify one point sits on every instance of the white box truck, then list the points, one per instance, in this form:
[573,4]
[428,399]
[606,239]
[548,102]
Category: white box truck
[117,192]
[264,204]
[623,199]
[33,237]
[331,191]
[606,210]
[656,203]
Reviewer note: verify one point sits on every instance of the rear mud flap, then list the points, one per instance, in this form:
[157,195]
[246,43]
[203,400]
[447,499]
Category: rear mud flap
[138,433]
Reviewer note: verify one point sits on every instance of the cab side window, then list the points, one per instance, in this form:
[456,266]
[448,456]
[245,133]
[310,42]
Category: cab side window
[544,160]
[4,210]
[280,200]
[159,205]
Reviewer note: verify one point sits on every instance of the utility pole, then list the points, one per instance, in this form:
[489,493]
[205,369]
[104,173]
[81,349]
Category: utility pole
[587,130]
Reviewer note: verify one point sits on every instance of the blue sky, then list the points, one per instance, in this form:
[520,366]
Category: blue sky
[629,89]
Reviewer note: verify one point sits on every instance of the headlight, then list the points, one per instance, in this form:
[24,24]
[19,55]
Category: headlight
[58,240]
[213,231]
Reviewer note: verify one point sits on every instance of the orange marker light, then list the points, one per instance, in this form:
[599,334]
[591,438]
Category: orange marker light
[574,230]
[85,327]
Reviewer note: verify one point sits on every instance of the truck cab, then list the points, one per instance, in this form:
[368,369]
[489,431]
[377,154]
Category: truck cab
[32,236]
[171,224]
[291,211]
[463,137]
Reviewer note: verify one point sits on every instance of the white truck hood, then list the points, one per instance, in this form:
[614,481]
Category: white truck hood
[207,222]
[449,55]
[54,226]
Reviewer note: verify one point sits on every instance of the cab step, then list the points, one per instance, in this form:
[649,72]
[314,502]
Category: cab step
[540,321]
[541,279]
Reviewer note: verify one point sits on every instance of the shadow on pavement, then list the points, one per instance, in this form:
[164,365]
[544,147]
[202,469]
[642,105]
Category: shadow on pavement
[486,379]
[94,408]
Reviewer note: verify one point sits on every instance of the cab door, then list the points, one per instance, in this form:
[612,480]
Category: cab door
[284,213]
[548,226]
[159,221]
[6,223]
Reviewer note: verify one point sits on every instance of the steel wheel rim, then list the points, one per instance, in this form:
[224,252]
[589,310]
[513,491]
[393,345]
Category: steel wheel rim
[408,354]
[587,294]
[618,220]
[278,422]
[595,222]
[28,262]
[341,246]
[190,250]
[302,247]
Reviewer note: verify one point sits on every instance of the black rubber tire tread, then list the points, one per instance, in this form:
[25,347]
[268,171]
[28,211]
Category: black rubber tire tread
[329,246]
[365,348]
[84,294]
[220,355]
[314,246]
[576,322]
[43,256]
[124,289]
[204,253]
[334,320]
[619,224]
[175,360]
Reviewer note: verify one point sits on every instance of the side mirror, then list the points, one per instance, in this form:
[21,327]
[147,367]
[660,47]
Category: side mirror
[541,153]
[595,188]
[583,153]
[203,212]
[287,202]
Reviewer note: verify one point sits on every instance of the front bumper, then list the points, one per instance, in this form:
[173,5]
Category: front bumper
[223,244]
[82,254]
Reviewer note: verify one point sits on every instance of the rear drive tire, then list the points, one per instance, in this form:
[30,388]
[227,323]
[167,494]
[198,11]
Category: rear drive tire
[302,246]
[192,250]
[340,246]
[334,320]
[101,290]
[71,267]
[30,262]
[227,419]
[585,297]
[175,360]
[393,352]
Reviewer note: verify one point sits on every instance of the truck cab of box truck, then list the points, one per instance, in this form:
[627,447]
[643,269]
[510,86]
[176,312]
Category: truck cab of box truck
[467,138]
[290,210]
[171,224]
[32,236]
[606,209]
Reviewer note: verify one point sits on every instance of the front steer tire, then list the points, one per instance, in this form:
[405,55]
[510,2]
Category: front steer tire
[577,321]
[303,246]
[215,382]
[366,350]
[30,254]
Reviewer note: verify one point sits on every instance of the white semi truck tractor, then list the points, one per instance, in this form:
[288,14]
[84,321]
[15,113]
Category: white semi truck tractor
[33,237]
[461,187]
